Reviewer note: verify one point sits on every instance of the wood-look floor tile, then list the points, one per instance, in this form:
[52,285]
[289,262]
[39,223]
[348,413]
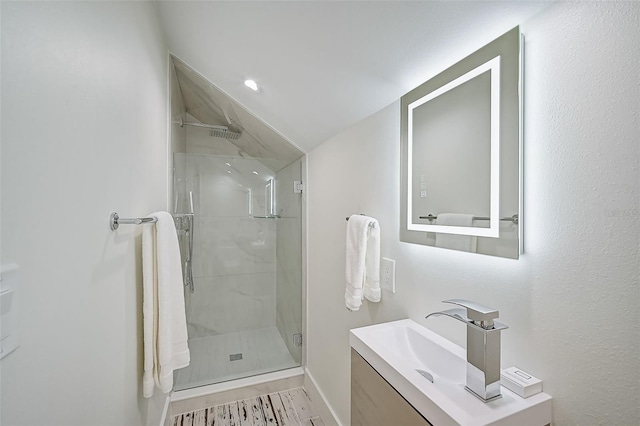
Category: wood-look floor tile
[234,414]
[199,417]
[223,415]
[185,420]
[210,416]
[302,404]
[283,416]
[245,413]
[287,408]
[316,421]
[267,409]
[287,403]
[257,412]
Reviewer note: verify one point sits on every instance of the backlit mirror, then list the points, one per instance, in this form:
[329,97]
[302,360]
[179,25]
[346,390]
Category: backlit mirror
[461,154]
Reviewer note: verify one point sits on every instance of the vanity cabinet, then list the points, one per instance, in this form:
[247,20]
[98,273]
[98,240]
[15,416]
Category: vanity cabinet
[386,389]
[374,402]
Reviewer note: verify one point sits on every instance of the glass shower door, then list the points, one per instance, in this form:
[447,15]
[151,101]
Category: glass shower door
[244,307]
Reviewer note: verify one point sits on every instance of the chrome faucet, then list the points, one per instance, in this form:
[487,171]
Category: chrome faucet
[483,346]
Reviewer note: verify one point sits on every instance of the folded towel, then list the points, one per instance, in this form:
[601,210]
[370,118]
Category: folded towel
[164,320]
[454,241]
[362,270]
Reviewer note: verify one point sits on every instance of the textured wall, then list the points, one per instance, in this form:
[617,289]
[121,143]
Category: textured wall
[84,133]
[570,301]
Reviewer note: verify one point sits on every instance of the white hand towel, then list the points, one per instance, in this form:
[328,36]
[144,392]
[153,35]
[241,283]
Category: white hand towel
[362,271]
[454,241]
[163,311]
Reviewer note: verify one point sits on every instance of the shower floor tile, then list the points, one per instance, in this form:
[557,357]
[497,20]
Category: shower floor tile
[253,352]
[287,408]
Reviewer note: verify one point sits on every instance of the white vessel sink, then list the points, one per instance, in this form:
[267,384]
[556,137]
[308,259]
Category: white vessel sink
[400,350]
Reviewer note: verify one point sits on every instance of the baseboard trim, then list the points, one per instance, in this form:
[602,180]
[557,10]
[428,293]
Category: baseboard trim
[165,420]
[319,401]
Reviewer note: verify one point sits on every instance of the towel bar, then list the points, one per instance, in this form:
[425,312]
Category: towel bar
[373,225]
[513,218]
[115,221]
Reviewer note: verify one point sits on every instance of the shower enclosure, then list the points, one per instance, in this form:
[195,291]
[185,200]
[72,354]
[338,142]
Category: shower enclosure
[240,232]
[238,212]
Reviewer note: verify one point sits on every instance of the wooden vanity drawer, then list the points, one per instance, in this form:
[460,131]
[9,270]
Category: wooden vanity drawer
[374,402]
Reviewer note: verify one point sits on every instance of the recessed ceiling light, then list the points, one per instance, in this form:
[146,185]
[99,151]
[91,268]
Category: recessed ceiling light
[228,164]
[251,85]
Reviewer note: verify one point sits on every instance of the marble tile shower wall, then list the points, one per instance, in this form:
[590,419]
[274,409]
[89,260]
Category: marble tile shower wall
[234,256]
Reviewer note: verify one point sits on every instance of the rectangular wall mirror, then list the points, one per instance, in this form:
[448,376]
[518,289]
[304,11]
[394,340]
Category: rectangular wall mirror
[461,135]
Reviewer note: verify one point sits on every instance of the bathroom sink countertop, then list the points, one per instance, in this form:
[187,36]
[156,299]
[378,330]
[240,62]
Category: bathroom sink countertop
[396,350]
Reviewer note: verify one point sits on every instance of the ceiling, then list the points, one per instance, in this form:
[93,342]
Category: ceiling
[322,66]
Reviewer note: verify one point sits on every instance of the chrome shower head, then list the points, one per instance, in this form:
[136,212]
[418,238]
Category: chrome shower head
[225,134]
[215,131]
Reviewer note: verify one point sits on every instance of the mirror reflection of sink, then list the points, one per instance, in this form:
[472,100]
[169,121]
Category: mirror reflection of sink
[408,355]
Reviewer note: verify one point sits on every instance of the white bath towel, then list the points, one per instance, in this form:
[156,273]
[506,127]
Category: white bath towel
[164,320]
[362,270]
[454,241]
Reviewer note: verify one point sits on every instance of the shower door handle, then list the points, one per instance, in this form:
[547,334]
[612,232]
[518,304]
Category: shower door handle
[184,226]
[188,262]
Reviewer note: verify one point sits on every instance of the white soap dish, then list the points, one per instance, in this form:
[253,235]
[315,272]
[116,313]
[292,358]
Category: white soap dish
[520,382]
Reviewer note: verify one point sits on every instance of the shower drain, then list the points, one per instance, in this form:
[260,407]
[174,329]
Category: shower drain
[235,357]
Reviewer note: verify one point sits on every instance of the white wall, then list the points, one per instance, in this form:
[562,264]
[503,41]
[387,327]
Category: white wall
[84,133]
[571,300]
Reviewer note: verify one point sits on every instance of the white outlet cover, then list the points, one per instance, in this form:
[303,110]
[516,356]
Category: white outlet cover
[388,275]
